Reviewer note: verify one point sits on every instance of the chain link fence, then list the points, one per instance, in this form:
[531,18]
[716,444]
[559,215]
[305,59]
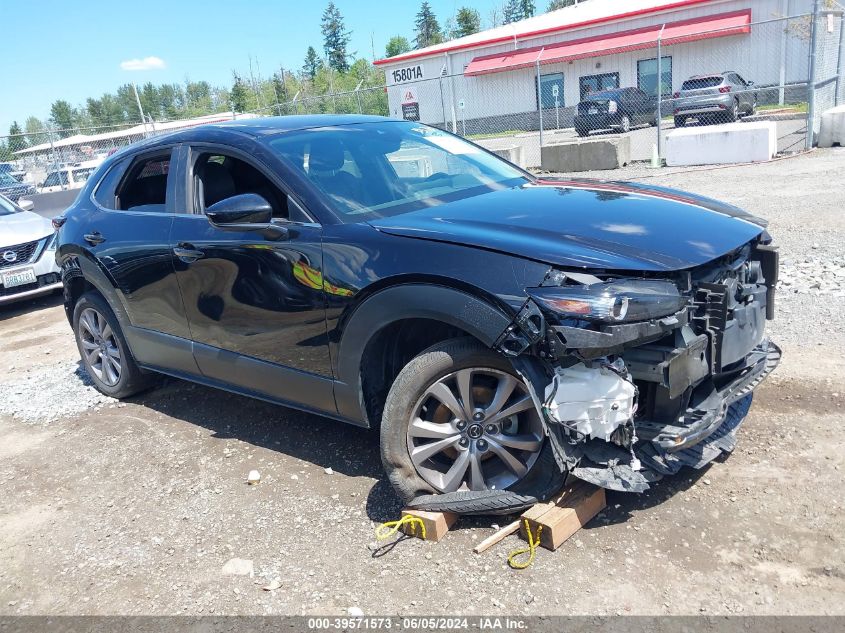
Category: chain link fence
[786,69]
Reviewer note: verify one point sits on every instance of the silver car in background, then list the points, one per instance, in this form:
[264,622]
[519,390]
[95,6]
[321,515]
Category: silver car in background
[717,98]
[27,254]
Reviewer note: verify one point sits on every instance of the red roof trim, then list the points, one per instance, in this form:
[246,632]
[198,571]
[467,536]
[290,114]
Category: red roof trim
[566,27]
[569,50]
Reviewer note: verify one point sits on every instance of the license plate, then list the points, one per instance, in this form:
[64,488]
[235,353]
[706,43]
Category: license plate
[19,277]
[593,111]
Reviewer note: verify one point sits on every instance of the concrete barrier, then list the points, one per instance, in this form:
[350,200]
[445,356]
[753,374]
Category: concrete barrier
[591,154]
[51,204]
[722,144]
[832,130]
[514,154]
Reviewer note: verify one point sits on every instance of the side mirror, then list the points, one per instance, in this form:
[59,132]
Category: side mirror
[246,208]
[245,212]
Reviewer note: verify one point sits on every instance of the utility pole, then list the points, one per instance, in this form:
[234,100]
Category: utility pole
[811,97]
[140,109]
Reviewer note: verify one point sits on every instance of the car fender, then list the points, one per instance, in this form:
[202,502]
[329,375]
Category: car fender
[458,308]
[84,265]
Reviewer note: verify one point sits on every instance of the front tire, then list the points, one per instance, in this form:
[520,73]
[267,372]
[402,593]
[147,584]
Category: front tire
[457,418]
[680,121]
[103,349]
[625,125]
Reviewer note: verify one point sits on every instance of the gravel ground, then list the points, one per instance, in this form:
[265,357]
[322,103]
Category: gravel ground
[142,507]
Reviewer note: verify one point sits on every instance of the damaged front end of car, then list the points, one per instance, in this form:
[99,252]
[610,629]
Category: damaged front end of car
[638,376]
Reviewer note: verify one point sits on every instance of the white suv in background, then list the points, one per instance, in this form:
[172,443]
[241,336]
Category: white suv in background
[27,254]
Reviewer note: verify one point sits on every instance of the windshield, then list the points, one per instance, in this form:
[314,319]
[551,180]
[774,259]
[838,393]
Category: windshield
[7,181]
[374,170]
[701,82]
[6,206]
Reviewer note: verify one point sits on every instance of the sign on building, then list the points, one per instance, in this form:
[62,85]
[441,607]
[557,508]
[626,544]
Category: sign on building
[410,105]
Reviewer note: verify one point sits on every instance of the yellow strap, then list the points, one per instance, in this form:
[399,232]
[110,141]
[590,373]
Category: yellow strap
[533,542]
[388,529]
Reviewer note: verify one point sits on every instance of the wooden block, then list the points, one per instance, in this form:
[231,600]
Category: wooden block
[570,513]
[436,524]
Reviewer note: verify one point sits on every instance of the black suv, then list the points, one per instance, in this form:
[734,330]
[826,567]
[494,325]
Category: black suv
[501,329]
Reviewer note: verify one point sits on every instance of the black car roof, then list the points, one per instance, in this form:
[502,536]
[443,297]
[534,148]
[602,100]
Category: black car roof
[249,127]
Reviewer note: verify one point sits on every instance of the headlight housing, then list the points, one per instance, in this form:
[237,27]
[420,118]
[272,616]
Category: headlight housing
[621,301]
[52,241]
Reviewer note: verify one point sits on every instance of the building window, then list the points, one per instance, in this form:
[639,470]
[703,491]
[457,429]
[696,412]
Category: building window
[596,83]
[647,76]
[551,90]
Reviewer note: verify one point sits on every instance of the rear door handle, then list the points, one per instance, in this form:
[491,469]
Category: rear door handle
[187,253]
[94,238]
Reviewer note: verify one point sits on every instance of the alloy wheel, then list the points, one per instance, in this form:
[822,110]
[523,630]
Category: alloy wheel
[99,347]
[626,124]
[474,429]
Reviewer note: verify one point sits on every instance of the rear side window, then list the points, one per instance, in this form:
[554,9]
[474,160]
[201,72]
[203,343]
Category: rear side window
[703,82]
[106,195]
[145,186]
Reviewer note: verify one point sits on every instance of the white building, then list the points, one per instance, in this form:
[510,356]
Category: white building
[487,82]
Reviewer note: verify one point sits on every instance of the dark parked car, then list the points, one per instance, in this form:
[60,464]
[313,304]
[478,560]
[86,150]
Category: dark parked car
[13,189]
[502,330]
[618,109]
[719,98]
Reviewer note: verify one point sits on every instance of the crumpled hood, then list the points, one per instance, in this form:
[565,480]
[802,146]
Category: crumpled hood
[23,227]
[587,224]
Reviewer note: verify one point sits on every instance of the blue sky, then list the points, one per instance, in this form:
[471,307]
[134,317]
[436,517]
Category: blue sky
[55,49]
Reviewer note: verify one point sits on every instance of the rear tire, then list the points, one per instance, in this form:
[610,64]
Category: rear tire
[407,400]
[103,349]
[680,121]
[582,131]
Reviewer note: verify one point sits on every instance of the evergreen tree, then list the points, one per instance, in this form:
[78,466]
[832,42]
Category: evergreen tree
[312,64]
[16,139]
[335,39]
[396,46]
[468,21]
[239,95]
[528,8]
[427,27]
[554,5]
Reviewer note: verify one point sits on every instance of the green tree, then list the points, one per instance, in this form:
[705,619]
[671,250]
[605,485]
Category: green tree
[467,22]
[16,141]
[554,5]
[396,46]
[239,94]
[62,116]
[312,64]
[34,129]
[335,39]
[516,10]
[427,28]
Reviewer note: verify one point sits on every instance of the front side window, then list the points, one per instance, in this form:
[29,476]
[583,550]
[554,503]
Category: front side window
[647,76]
[145,186]
[219,176]
[374,170]
[551,90]
[596,83]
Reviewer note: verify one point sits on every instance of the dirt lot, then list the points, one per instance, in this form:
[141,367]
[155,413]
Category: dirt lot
[136,507]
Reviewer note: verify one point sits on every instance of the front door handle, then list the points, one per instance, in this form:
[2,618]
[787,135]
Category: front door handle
[94,238]
[187,253]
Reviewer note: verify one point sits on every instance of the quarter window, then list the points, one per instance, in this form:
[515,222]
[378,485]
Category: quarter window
[647,76]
